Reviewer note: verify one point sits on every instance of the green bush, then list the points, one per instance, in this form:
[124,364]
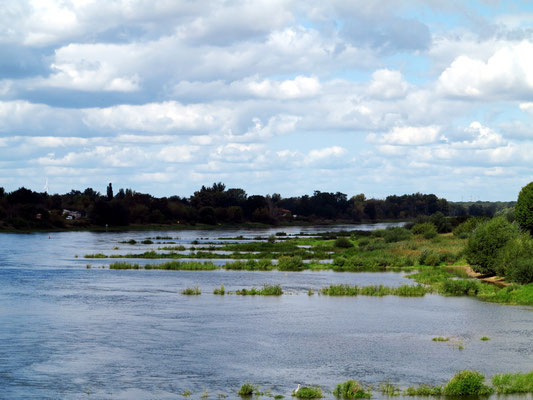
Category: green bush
[523,209]
[442,223]
[429,257]
[460,287]
[343,242]
[426,229]
[351,389]
[466,228]
[467,383]
[483,245]
[396,234]
[515,260]
[287,263]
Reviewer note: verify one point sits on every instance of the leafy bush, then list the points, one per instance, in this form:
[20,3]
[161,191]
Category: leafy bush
[441,222]
[466,228]
[351,389]
[429,257]
[343,242]
[396,234]
[483,245]
[426,229]
[515,259]
[467,383]
[287,263]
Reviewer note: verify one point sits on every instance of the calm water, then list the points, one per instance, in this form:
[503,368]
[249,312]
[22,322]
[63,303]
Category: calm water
[67,332]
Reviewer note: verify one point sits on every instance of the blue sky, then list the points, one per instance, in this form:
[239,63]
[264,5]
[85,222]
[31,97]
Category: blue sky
[272,96]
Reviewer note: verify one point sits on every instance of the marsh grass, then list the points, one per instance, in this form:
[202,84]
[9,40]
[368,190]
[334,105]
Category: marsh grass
[484,338]
[220,291]
[266,290]
[186,393]
[374,290]
[247,389]
[308,392]
[513,383]
[351,389]
[423,390]
[194,291]
[389,389]
[441,339]
[467,383]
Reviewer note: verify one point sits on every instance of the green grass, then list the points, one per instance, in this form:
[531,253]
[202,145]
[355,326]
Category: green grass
[484,338]
[351,389]
[220,291]
[441,339]
[308,392]
[389,389]
[266,290]
[467,383]
[513,383]
[194,291]
[423,390]
[247,389]
[374,290]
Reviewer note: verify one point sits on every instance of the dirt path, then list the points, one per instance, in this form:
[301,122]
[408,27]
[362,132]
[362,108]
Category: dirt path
[495,280]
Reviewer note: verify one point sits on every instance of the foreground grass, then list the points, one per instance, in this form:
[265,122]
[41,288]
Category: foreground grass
[513,383]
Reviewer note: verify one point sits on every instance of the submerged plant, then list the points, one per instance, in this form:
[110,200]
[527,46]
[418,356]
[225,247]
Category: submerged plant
[220,291]
[351,389]
[423,390]
[389,389]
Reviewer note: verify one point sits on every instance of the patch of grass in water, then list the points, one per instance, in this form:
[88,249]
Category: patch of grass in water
[267,290]
[374,290]
[467,383]
[194,291]
[484,338]
[440,339]
[308,392]
[97,255]
[220,291]
[147,241]
[389,389]
[123,265]
[513,383]
[247,389]
[351,389]
[423,390]
[186,393]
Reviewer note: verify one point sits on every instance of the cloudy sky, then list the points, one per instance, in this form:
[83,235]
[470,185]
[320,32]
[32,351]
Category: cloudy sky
[162,96]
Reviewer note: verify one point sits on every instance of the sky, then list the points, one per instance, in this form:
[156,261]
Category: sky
[378,97]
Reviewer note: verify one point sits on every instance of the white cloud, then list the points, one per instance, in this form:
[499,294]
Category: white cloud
[298,87]
[387,84]
[507,74]
[408,136]
[177,154]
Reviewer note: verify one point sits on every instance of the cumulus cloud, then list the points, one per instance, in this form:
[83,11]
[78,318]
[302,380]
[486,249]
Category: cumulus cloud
[408,136]
[507,74]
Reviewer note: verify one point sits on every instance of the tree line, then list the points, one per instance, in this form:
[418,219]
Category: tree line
[216,204]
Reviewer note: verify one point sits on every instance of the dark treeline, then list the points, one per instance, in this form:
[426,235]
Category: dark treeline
[25,209]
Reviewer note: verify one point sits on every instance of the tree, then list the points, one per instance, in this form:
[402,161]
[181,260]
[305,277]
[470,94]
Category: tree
[485,243]
[524,208]
[109,192]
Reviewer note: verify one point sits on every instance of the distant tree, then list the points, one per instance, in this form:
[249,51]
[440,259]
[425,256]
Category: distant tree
[109,191]
[523,211]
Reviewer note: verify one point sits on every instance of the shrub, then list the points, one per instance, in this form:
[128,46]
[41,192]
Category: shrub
[483,245]
[467,383]
[466,228]
[351,389]
[441,222]
[524,208]
[287,263]
[429,257]
[515,259]
[396,234]
[343,242]
[308,392]
[427,229]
